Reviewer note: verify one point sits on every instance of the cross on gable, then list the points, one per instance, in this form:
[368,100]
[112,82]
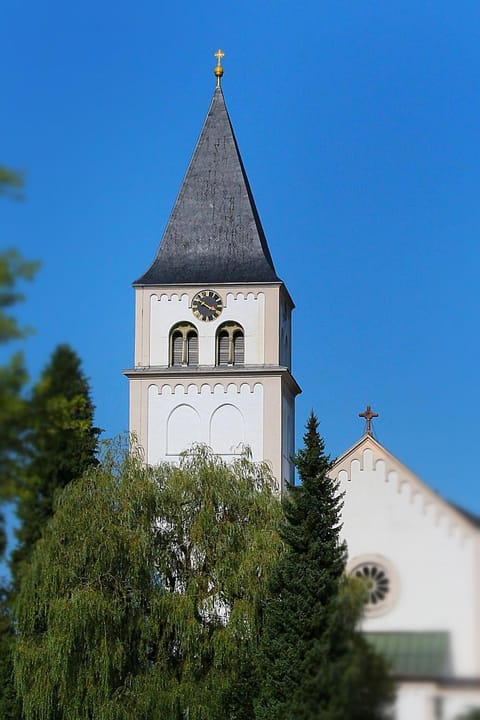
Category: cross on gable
[368,414]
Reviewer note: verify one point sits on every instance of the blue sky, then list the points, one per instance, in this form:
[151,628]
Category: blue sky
[358,126]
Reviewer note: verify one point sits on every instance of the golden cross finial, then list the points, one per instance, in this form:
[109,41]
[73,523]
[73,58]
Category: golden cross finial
[368,415]
[219,69]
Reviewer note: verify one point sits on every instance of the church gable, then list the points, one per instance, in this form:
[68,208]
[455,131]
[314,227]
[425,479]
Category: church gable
[369,457]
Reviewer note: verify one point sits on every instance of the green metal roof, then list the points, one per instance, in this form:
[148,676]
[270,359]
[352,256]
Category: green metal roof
[414,654]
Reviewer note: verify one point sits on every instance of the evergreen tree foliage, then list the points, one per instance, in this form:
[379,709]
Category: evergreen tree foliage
[313,665]
[13,270]
[142,597]
[61,442]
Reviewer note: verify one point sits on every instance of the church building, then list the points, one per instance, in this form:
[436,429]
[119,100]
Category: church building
[420,559]
[213,365]
[213,320]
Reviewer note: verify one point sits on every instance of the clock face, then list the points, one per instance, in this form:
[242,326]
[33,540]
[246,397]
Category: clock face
[207,305]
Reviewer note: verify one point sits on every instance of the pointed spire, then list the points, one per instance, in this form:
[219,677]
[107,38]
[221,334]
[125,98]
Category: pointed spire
[214,234]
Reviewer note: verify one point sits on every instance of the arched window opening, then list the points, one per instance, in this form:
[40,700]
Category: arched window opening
[192,348]
[223,347]
[177,348]
[230,344]
[238,348]
[184,345]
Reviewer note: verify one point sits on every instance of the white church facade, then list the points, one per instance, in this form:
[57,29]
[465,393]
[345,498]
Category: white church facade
[212,364]
[420,557]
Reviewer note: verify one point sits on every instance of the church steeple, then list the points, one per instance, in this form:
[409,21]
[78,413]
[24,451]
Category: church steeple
[213,320]
[214,233]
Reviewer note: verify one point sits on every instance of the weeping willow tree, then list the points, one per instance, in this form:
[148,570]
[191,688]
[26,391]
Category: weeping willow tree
[142,598]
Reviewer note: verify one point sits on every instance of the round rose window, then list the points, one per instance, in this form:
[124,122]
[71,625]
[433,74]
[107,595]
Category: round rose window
[377,582]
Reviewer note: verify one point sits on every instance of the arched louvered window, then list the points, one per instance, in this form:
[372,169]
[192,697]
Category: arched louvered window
[223,347]
[184,345]
[238,348]
[230,344]
[177,348]
[192,348]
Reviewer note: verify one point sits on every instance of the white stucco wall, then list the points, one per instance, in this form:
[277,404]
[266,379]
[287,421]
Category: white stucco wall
[247,309]
[225,417]
[457,701]
[416,701]
[224,407]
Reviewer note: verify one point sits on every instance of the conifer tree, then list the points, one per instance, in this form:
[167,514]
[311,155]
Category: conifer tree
[61,442]
[142,597]
[313,665]
[13,270]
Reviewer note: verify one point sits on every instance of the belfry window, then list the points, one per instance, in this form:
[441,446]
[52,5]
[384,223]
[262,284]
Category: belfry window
[230,344]
[183,345]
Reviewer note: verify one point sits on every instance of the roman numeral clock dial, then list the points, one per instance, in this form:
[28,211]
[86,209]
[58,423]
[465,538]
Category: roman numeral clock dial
[207,305]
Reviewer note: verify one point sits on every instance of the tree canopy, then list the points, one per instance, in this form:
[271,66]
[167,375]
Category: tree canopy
[142,599]
[60,442]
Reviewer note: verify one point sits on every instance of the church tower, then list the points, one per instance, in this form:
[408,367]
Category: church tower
[213,320]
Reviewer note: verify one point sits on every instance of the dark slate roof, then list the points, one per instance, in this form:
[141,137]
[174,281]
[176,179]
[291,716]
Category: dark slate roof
[214,234]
